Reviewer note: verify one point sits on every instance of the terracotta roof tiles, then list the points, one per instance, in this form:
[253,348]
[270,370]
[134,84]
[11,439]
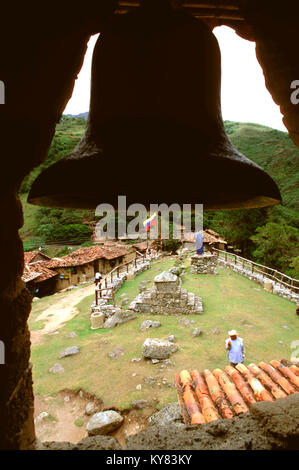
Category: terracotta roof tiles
[87,255]
[218,394]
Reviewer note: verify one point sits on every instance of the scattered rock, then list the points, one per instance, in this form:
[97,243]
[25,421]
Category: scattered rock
[286,327]
[90,408]
[104,422]
[136,359]
[149,380]
[67,399]
[57,369]
[155,348]
[169,414]
[71,351]
[41,416]
[280,342]
[138,387]
[119,317]
[118,351]
[139,404]
[146,324]
[215,331]
[72,334]
[171,338]
[196,332]
[155,361]
[125,302]
[134,374]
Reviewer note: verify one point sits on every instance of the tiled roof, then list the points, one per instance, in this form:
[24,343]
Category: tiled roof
[29,256]
[86,255]
[141,245]
[37,271]
[209,236]
[208,396]
[29,274]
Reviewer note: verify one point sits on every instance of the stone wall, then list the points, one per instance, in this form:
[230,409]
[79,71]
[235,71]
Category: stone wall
[277,288]
[204,264]
[166,298]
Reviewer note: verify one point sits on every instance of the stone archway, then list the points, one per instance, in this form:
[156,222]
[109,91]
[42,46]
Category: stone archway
[40,60]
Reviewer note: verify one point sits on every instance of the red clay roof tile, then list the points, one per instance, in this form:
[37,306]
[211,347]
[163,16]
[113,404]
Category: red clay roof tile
[208,396]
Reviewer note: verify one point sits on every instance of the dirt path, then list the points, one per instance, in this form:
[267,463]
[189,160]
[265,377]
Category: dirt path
[66,420]
[63,310]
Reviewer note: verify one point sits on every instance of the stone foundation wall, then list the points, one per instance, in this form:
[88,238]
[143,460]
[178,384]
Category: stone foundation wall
[277,288]
[204,264]
[181,302]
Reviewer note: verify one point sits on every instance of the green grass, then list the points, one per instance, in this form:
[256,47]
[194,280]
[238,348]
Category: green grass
[228,298]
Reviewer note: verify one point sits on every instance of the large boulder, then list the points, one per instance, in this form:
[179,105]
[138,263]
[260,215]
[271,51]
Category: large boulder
[119,317]
[104,422]
[155,348]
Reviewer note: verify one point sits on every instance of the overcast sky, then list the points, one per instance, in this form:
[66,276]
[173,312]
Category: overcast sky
[244,96]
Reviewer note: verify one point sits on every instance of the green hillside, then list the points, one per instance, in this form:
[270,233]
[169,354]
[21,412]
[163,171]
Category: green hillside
[253,232]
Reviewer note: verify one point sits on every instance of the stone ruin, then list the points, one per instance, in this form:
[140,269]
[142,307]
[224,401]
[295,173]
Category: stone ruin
[269,284]
[104,315]
[166,297]
[204,264]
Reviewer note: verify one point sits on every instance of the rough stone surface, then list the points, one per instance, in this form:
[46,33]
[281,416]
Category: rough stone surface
[57,369]
[71,351]
[104,422]
[119,317]
[90,408]
[155,348]
[275,31]
[204,264]
[196,332]
[146,324]
[169,414]
[72,334]
[139,404]
[118,351]
[267,426]
[166,298]
[88,443]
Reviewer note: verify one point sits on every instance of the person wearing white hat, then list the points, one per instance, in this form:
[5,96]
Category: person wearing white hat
[235,348]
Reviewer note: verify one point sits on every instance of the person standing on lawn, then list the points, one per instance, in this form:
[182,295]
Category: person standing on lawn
[235,348]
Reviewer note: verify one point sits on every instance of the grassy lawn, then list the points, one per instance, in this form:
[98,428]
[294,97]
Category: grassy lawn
[229,300]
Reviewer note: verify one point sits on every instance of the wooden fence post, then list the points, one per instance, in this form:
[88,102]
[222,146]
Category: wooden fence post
[97,293]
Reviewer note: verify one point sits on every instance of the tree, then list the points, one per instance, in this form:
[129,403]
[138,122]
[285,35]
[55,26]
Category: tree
[276,246]
[238,226]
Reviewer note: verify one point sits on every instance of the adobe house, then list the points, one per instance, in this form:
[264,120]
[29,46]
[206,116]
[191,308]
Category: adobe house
[82,264]
[41,56]
[39,280]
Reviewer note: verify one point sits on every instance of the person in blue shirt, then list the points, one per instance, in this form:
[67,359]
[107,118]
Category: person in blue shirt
[199,243]
[235,348]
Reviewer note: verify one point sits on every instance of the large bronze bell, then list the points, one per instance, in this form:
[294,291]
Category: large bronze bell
[155,130]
